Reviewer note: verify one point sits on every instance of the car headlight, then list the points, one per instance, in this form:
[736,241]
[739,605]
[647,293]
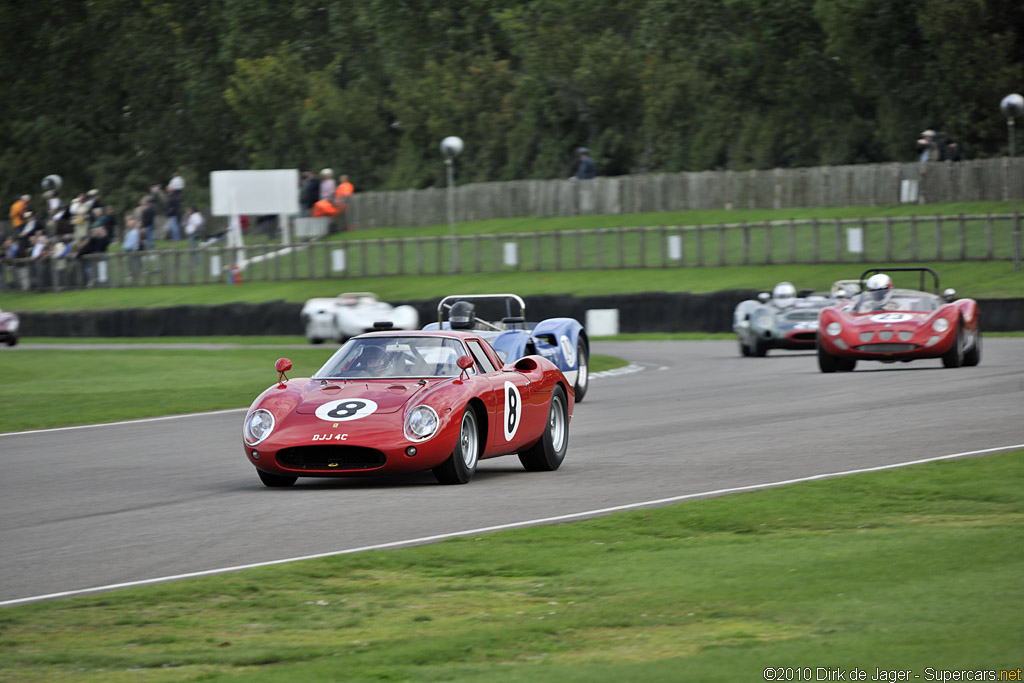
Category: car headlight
[258,426]
[834,328]
[12,325]
[421,423]
[940,324]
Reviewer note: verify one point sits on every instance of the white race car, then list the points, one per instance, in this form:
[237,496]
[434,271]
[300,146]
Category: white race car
[352,313]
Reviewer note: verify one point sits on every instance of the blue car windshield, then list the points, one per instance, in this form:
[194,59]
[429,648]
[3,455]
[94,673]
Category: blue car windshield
[394,357]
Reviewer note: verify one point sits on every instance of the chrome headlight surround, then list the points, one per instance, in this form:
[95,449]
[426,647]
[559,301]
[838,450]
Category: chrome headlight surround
[258,426]
[421,423]
[940,325]
[834,328]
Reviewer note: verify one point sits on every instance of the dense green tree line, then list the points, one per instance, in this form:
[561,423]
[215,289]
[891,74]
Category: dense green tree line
[116,94]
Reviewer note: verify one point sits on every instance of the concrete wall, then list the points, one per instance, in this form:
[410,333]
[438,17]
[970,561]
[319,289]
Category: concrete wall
[644,312]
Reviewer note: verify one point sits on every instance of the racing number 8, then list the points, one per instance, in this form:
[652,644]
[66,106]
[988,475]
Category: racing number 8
[346,410]
[513,407]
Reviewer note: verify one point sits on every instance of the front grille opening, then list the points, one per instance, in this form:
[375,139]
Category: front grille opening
[886,348]
[804,336]
[330,458]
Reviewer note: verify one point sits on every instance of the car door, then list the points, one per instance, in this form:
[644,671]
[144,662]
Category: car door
[512,403]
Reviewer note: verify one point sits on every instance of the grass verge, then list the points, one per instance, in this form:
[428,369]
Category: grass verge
[906,570]
[135,382]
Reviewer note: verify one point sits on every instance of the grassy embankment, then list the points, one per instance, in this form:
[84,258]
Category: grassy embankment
[898,570]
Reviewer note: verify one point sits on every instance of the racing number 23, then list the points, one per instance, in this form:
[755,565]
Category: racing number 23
[513,410]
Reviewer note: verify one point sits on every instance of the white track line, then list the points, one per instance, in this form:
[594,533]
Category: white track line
[503,527]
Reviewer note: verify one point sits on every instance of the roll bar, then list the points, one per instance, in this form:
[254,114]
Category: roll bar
[446,303]
[935,276]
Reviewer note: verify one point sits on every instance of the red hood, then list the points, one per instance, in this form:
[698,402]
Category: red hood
[389,395]
[902,319]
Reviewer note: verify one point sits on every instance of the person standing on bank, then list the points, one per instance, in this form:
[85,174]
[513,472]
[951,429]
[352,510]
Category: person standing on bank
[586,169]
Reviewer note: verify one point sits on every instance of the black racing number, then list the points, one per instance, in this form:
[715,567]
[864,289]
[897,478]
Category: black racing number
[346,409]
[513,407]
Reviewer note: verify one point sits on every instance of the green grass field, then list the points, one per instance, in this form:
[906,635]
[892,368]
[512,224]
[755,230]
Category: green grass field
[905,569]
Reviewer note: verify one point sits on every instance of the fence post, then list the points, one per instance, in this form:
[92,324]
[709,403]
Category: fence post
[622,250]
[721,244]
[815,241]
[579,249]
[988,236]
[938,237]
[839,240]
[642,234]
[888,238]
[792,241]
[963,238]
[863,238]
[768,242]
[700,245]
[599,248]
[913,238]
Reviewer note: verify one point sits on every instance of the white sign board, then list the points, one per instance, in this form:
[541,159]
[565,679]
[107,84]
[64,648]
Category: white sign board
[511,253]
[855,240]
[338,260]
[602,322]
[675,247]
[908,192]
[256,193]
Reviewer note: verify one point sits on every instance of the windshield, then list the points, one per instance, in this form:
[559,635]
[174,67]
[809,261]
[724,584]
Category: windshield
[896,300]
[394,357]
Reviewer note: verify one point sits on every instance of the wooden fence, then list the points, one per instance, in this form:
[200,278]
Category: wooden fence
[860,185]
[915,239]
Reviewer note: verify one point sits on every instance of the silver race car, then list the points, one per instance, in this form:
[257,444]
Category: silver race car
[780,319]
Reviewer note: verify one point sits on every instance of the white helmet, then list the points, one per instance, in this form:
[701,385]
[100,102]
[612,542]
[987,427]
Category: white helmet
[879,287]
[784,294]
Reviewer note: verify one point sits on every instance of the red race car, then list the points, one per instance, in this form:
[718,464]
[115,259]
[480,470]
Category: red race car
[886,324]
[393,402]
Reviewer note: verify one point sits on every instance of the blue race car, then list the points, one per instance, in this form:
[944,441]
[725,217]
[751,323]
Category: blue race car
[563,341]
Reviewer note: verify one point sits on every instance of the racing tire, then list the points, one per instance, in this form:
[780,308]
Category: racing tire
[275,480]
[11,341]
[582,371]
[760,348]
[744,349]
[316,340]
[460,466]
[846,364]
[826,361]
[973,357]
[954,358]
[547,454]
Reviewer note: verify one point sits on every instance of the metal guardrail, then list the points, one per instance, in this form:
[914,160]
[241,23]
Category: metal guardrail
[914,239]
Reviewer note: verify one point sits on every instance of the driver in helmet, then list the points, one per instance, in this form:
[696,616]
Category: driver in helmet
[374,360]
[462,315]
[878,292]
[784,295]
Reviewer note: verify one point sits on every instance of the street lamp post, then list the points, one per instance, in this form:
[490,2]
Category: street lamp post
[1012,106]
[451,147]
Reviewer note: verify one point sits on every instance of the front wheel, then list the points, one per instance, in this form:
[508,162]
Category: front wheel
[954,358]
[760,349]
[275,480]
[12,340]
[826,361]
[547,454]
[744,349]
[460,466]
[582,371]
[973,357]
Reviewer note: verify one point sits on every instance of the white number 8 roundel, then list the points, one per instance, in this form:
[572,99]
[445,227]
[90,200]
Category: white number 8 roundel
[513,410]
[346,409]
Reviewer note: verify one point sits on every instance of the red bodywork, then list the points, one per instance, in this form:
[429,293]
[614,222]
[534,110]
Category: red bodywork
[896,335]
[303,444]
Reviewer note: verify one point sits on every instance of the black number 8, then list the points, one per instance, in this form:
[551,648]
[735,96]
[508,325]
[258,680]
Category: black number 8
[346,409]
[512,407]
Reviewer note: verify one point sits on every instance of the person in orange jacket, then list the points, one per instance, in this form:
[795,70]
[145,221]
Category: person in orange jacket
[325,207]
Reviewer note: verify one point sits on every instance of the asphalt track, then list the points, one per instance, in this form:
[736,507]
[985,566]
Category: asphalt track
[132,502]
